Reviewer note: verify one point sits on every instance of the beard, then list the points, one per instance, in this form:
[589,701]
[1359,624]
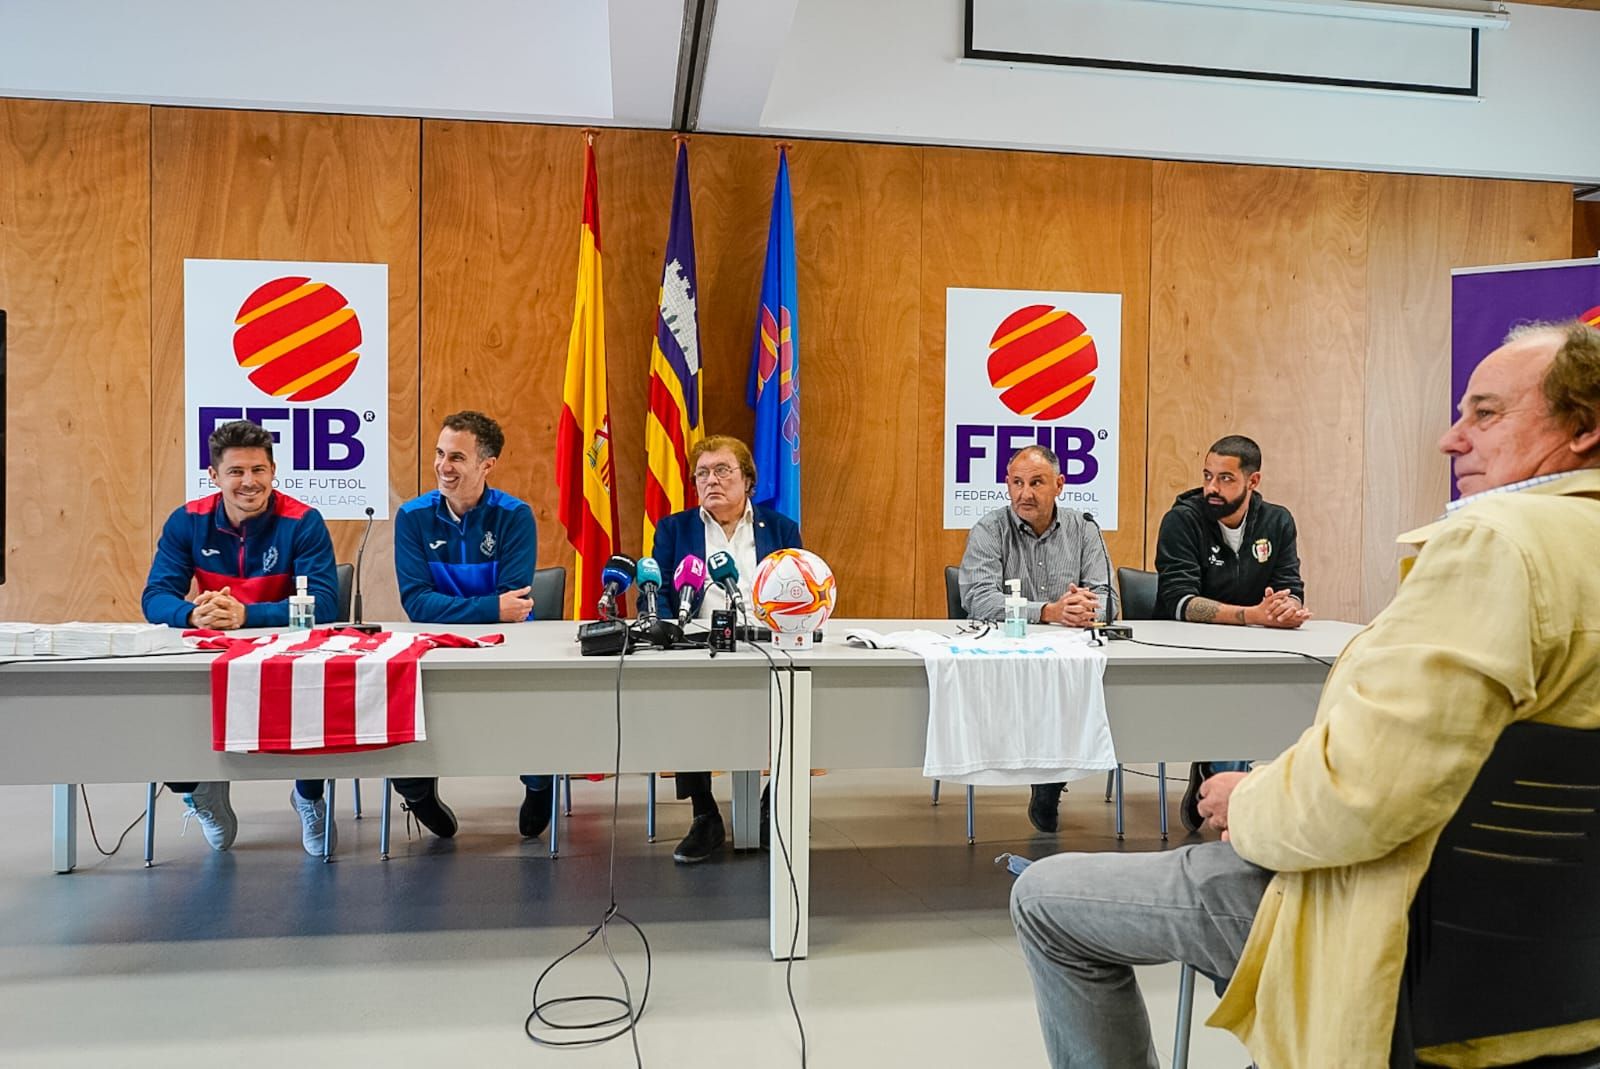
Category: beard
[1217,511]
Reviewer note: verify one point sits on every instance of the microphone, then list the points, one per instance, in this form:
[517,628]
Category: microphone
[356,623]
[689,580]
[648,574]
[725,574]
[617,576]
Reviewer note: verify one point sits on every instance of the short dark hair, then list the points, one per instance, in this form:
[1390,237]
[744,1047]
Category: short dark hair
[239,434]
[1043,452]
[1242,449]
[491,439]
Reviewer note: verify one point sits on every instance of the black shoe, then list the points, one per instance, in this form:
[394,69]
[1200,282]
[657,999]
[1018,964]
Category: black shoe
[705,835]
[433,814]
[534,816]
[1189,807]
[766,814]
[1043,804]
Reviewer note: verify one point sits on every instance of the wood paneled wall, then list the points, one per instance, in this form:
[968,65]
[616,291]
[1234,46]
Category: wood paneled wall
[75,281]
[1586,229]
[1308,309]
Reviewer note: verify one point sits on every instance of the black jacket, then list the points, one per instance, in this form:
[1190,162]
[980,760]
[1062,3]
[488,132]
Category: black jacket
[1192,560]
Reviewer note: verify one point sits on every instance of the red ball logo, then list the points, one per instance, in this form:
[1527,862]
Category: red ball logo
[297,338]
[1042,360]
[1591,317]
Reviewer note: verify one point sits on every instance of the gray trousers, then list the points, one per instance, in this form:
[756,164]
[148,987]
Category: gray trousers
[1084,921]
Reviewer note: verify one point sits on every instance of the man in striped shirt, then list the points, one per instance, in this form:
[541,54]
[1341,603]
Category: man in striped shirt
[1060,559]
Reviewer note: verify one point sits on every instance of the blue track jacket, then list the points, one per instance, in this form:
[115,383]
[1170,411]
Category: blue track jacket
[454,573]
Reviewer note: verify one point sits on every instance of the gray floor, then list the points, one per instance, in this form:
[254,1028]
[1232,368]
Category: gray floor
[263,956]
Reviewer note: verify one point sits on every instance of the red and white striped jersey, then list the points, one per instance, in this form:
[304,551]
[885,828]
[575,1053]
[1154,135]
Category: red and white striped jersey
[320,691]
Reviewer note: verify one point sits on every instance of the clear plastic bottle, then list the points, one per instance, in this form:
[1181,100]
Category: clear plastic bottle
[1016,611]
[302,607]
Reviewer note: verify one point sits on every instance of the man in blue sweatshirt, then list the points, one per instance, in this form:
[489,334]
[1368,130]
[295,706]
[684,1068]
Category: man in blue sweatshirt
[465,554]
[241,549]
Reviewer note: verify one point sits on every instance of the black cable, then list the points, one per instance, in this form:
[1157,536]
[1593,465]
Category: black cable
[783,847]
[1153,775]
[49,658]
[602,929]
[1225,649]
[90,814]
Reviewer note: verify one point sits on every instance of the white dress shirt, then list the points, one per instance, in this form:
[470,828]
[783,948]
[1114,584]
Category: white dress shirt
[742,545]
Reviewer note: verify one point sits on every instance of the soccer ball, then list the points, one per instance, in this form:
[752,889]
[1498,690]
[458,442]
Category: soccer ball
[793,594]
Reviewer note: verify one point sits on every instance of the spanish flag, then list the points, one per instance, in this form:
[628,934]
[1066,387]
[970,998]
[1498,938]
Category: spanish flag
[673,425]
[585,476]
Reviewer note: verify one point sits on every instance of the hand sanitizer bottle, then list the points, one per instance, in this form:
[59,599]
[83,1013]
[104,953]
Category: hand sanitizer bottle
[1016,611]
[302,607]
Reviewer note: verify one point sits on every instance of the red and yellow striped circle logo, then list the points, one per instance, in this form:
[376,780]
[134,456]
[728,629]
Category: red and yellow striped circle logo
[1042,360]
[297,339]
[1591,317]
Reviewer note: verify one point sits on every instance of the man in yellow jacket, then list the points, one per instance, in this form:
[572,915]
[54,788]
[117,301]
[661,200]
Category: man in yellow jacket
[1304,904]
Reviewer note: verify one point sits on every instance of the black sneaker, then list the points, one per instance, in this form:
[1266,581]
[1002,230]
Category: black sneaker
[433,814]
[534,816]
[1189,807]
[705,835]
[766,817]
[1043,804]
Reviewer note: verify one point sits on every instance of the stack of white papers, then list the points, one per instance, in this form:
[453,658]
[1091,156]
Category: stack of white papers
[105,640]
[16,640]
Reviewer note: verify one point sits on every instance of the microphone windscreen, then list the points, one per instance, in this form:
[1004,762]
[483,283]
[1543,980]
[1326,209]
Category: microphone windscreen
[622,564]
[722,567]
[690,574]
[610,574]
[647,571]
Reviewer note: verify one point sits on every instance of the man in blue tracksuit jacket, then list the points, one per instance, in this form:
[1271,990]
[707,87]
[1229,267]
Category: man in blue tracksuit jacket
[465,554]
[242,548]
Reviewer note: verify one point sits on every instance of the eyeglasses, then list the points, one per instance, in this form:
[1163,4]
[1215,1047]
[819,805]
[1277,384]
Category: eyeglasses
[721,473]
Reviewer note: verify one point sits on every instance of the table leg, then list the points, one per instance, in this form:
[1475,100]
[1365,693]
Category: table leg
[791,815]
[64,821]
[747,810]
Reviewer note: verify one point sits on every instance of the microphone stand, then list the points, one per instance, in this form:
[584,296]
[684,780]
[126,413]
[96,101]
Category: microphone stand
[355,601]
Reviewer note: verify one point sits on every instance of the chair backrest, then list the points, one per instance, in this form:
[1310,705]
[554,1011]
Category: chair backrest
[1505,933]
[549,593]
[952,593]
[1138,593]
[345,574]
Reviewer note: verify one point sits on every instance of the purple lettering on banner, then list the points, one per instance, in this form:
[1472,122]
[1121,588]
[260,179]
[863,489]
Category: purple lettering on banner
[967,450]
[302,439]
[266,417]
[1009,437]
[211,416]
[1075,446]
[336,427]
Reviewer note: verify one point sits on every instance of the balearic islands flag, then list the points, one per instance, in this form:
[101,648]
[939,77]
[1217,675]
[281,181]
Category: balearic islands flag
[673,424]
[319,691]
[774,386]
[585,476]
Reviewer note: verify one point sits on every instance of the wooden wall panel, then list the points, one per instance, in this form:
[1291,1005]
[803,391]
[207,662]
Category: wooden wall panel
[74,280]
[1061,223]
[1585,229]
[279,186]
[1258,323]
[1421,228]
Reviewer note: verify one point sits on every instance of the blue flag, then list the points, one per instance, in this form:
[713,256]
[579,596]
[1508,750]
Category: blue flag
[774,388]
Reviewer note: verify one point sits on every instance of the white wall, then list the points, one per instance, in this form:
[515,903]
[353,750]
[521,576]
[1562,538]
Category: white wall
[889,70]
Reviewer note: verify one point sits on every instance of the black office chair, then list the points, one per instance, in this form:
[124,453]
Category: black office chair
[955,611]
[1136,591]
[1504,936]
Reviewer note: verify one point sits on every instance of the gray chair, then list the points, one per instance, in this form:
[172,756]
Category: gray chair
[1503,936]
[955,611]
[1137,593]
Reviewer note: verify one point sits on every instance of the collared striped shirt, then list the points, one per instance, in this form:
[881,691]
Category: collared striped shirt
[1002,546]
[1508,488]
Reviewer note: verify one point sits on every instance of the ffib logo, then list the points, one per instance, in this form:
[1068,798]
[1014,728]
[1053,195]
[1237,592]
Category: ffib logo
[297,338]
[1042,360]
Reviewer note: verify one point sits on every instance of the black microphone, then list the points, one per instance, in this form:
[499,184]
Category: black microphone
[1114,609]
[356,624]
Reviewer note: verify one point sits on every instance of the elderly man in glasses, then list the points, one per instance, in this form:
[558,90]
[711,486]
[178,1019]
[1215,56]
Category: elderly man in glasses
[726,519]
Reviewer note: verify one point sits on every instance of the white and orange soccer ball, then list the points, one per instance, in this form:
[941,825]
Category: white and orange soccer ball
[793,594]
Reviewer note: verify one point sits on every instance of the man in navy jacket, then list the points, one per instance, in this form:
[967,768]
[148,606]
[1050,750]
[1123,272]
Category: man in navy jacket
[465,554]
[242,549]
[724,474]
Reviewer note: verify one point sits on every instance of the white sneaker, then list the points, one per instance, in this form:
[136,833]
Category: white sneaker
[208,804]
[313,823]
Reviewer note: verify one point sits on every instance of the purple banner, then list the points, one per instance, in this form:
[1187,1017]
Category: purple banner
[1485,303]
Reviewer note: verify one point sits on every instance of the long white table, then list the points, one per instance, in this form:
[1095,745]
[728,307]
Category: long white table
[534,704]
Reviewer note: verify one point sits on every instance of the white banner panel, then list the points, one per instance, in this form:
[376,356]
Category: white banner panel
[1026,367]
[303,350]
